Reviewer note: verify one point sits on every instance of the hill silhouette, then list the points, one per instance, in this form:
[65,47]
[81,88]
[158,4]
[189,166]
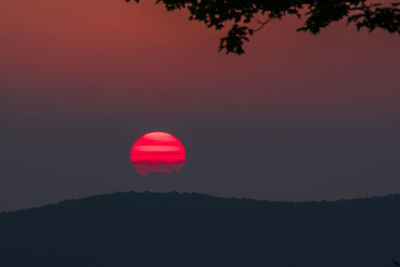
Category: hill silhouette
[173,229]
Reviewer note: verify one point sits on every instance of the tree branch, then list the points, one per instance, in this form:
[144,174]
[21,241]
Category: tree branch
[317,15]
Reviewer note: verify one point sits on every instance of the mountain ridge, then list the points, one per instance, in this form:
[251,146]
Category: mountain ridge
[394,195]
[191,229]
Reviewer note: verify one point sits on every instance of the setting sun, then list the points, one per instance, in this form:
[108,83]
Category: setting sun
[158,152]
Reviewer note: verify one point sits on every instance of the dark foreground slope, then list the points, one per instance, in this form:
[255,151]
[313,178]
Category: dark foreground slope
[152,229]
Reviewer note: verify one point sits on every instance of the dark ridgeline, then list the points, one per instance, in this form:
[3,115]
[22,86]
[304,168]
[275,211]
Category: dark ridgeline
[155,229]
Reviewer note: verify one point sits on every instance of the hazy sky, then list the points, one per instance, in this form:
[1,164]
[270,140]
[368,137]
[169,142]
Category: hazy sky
[298,117]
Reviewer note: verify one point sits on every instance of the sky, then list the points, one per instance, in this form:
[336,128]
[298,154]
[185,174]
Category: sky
[298,117]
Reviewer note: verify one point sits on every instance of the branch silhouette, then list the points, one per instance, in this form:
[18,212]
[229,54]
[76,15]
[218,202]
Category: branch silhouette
[242,15]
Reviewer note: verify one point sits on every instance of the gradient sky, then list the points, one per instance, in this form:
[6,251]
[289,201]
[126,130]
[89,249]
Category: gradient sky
[298,117]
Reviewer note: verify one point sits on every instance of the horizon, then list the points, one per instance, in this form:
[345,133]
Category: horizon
[201,195]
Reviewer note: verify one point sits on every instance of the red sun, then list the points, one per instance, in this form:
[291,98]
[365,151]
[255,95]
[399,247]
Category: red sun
[158,152]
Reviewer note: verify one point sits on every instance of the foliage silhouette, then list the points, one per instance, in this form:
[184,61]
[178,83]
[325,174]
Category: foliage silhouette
[172,229]
[248,16]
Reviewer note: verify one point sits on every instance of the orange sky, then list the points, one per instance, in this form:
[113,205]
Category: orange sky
[109,58]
